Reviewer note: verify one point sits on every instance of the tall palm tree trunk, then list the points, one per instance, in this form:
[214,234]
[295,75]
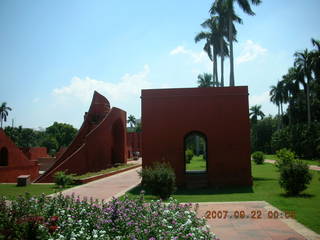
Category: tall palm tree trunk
[308,103]
[216,70]
[231,53]
[279,119]
[222,59]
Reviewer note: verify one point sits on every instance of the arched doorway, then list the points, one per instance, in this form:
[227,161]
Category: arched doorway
[118,147]
[196,159]
[4,156]
[195,150]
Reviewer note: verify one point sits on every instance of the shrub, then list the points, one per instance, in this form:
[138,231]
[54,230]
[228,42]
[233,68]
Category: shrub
[62,179]
[294,177]
[189,154]
[67,217]
[284,157]
[258,157]
[159,179]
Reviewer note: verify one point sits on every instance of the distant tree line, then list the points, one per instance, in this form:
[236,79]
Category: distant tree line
[53,138]
[298,127]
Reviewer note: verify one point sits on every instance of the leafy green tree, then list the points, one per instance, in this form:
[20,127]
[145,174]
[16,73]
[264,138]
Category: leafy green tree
[4,112]
[204,80]
[63,133]
[229,14]
[261,134]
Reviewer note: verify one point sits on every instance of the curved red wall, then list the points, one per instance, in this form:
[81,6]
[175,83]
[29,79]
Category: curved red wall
[100,142]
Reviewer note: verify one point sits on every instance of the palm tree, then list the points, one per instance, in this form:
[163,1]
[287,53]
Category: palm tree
[4,112]
[229,13]
[132,121]
[211,45]
[255,112]
[303,61]
[204,80]
[277,96]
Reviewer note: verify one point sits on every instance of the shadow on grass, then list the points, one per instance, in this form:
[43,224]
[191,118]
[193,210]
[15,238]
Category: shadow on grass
[302,195]
[199,191]
[263,179]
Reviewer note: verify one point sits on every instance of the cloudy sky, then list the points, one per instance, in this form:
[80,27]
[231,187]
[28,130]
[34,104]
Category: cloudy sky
[54,54]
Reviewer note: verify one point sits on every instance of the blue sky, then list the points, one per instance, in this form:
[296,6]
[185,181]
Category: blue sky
[54,54]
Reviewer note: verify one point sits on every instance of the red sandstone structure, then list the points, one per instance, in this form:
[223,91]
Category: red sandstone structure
[35,153]
[99,144]
[220,115]
[13,162]
[134,141]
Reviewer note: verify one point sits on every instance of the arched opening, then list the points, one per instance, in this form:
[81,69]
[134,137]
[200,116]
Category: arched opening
[118,148]
[195,152]
[4,156]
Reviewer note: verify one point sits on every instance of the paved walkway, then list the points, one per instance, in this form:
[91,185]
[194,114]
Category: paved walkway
[249,228]
[312,167]
[106,188]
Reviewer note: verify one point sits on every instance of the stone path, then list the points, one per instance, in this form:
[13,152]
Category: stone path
[250,228]
[312,167]
[106,188]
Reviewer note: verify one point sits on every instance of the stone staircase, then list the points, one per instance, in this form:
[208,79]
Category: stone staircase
[196,179]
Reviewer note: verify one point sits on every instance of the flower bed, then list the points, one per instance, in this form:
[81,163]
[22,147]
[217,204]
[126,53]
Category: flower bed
[67,217]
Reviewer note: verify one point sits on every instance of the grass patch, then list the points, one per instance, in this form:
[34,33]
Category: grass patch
[265,188]
[196,163]
[11,190]
[104,171]
[307,161]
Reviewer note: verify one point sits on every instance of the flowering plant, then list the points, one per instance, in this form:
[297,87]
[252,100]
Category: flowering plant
[68,217]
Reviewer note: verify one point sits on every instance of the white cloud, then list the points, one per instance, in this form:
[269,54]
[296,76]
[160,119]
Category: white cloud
[250,52]
[117,93]
[197,57]
[259,99]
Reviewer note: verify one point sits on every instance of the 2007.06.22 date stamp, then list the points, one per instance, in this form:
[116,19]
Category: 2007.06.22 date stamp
[253,214]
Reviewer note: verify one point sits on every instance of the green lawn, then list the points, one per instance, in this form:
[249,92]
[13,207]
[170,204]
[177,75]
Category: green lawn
[196,163]
[265,187]
[12,191]
[104,171]
[307,161]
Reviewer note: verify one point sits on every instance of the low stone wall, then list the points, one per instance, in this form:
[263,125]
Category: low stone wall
[90,179]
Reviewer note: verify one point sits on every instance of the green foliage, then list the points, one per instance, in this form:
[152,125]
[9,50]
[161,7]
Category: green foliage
[189,154]
[62,132]
[284,157]
[304,140]
[294,177]
[261,134]
[160,179]
[62,179]
[197,163]
[53,138]
[258,157]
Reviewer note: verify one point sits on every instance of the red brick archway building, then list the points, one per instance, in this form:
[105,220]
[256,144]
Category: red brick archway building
[221,114]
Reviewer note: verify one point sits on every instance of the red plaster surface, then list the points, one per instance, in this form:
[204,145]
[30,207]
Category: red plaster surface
[134,140]
[35,152]
[100,142]
[18,163]
[168,115]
